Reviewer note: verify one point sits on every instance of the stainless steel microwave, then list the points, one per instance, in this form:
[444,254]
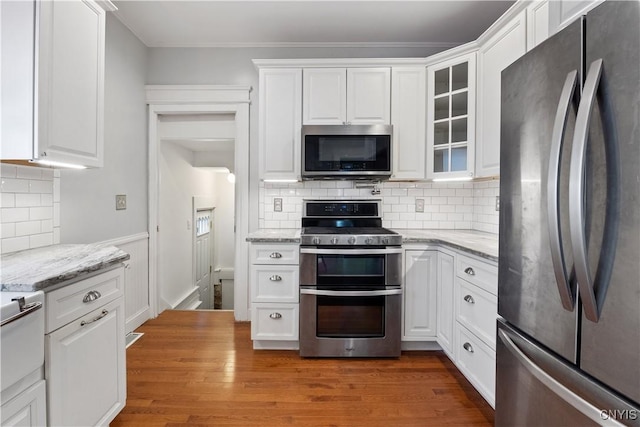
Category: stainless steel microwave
[346,151]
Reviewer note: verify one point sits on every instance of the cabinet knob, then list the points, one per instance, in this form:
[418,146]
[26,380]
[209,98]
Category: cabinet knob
[91,296]
[275,315]
[468,347]
[470,271]
[469,299]
[275,255]
[275,278]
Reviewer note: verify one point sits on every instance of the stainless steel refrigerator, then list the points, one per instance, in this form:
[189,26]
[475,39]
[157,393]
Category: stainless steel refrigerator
[568,351]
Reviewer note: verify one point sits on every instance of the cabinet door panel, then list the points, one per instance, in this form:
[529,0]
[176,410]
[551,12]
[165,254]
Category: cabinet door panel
[446,274]
[368,96]
[71,82]
[324,95]
[494,56]
[85,368]
[409,97]
[420,295]
[280,123]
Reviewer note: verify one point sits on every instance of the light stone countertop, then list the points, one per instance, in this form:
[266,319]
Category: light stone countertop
[45,268]
[275,235]
[478,243]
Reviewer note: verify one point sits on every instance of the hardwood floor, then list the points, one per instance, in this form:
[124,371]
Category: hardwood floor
[198,368]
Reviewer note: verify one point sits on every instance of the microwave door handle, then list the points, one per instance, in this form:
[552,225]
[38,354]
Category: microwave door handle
[567,294]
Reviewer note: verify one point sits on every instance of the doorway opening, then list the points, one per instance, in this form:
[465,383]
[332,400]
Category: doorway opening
[199,105]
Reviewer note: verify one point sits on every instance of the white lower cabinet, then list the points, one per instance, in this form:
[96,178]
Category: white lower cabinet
[419,322]
[477,361]
[85,358]
[446,317]
[275,295]
[28,409]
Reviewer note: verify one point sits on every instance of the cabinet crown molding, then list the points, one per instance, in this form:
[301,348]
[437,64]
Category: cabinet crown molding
[337,62]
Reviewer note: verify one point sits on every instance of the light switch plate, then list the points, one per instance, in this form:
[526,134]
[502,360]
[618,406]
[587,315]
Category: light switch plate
[497,203]
[121,202]
[419,205]
[277,204]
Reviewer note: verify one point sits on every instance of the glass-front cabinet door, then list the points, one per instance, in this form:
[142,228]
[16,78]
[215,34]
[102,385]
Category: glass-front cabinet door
[451,118]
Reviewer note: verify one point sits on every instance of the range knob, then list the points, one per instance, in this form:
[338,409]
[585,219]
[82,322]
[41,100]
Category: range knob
[315,241]
[385,240]
[334,240]
[352,240]
[368,241]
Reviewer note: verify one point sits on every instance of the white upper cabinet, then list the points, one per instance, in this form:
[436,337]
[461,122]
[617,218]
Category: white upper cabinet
[495,54]
[324,94]
[53,81]
[280,116]
[337,96]
[451,118]
[537,23]
[563,12]
[408,106]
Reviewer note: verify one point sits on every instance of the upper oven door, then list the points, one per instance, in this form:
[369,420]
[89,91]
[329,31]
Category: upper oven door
[346,151]
[350,268]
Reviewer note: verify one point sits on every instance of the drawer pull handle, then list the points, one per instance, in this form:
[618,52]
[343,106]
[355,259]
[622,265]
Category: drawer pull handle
[91,296]
[275,315]
[469,299]
[104,313]
[468,347]
[275,255]
[470,271]
[275,278]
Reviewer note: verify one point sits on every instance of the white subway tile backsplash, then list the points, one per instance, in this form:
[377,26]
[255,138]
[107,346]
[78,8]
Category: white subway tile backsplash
[41,186]
[447,205]
[14,214]
[27,200]
[14,244]
[11,185]
[8,200]
[28,214]
[28,228]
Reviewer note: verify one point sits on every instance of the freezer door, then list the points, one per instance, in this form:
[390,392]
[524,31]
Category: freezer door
[535,264]
[610,339]
[536,388]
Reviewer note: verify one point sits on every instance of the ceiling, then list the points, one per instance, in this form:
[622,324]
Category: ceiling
[308,23]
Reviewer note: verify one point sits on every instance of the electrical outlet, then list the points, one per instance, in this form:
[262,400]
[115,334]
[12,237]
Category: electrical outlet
[121,202]
[497,203]
[419,205]
[277,204]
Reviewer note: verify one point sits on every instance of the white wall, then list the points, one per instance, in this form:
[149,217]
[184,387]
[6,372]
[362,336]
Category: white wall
[179,182]
[87,210]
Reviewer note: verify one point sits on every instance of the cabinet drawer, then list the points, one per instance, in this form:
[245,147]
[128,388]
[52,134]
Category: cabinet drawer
[477,362]
[274,322]
[73,301]
[274,254]
[477,309]
[480,273]
[274,283]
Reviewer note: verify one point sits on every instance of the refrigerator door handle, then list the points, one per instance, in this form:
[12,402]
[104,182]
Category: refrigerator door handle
[576,194]
[581,405]
[567,294]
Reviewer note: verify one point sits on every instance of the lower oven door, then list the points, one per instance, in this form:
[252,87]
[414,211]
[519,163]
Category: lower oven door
[350,323]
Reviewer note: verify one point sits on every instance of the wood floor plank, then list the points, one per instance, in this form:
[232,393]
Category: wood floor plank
[198,368]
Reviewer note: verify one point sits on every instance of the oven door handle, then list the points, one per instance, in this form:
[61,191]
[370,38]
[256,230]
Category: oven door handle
[351,251]
[326,293]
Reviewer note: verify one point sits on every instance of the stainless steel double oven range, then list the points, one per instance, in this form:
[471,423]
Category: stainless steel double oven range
[350,281]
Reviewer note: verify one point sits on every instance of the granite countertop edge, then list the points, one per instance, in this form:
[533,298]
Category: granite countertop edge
[49,268]
[485,247]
